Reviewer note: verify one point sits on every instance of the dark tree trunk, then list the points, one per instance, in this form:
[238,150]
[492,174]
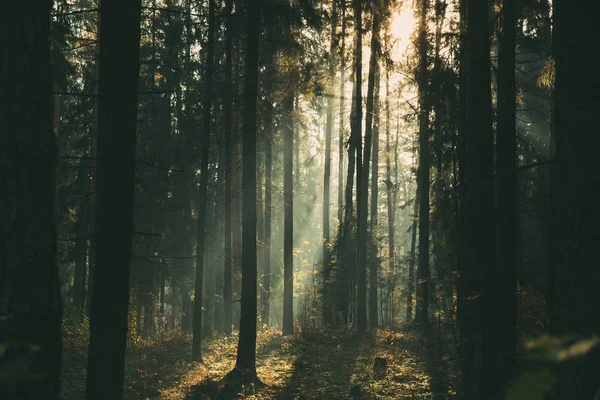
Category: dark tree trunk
[30,303]
[463,285]
[342,120]
[227,126]
[268,123]
[363,234]
[246,354]
[575,177]
[326,267]
[362,176]
[202,190]
[117,118]
[288,222]
[373,259]
[422,307]
[479,207]
[506,200]
[81,246]
[412,261]
[389,184]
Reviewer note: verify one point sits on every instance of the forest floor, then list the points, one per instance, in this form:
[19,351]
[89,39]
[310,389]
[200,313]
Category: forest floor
[403,363]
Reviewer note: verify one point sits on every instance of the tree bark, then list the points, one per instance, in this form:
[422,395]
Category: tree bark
[479,207]
[288,223]
[506,196]
[30,303]
[422,308]
[362,176]
[372,256]
[326,267]
[227,126]
[246,354]
[117,117]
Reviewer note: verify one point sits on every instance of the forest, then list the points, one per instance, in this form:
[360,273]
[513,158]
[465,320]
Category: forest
[299,199]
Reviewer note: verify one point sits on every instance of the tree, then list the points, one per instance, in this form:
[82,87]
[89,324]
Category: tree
[479,207]
[373,246]
[422,310]
[30,303]
[117,104]
[362,178]
[227,127]
[245,366]
[288,210]
[202,190]
[327,170]
[575,183]
[506,192]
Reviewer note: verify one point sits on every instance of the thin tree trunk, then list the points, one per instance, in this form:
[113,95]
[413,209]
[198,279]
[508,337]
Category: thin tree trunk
[373,260]
[202,190]
[411,262]
[227,126]
[389,184]
[326,267]
[288,211]
[81,246]
[342,120]
[506,192]
[362,172]
[117,118]
[422,309]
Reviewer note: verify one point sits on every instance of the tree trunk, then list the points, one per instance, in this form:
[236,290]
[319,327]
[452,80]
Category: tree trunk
[81,245]
[372,256]
[479,207]
[389,184]
[246,354]
[411,262]
[362,173]
[422,309]
[326,267]
[506,200]
[227,126]
[30,303]
[342,120]
[202,190]
[117,118]
[288,211]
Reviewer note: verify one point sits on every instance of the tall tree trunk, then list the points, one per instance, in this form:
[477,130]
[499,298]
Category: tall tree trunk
[117,118]
[202,190]
[81,245]
[373,259]
[463,285]
[227,126]
[363,182]
[479,208]
[288,218]
[342,120]
[362,174]
[268,140]
[246,354]
[30,303]
[326,239]
[412,260]
[389,184]
[506,192]
[574,177]
[422,309]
